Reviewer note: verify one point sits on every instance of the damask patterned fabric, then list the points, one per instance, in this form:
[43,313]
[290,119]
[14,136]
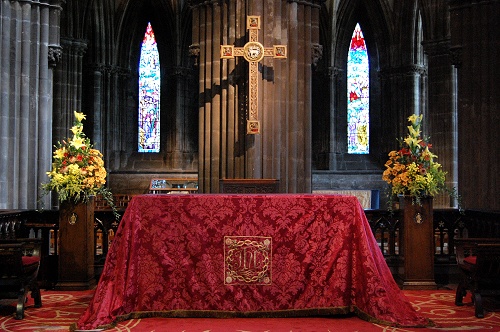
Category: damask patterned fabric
[257,255]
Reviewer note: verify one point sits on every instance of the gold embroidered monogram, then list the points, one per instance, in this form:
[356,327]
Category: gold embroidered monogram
[247,260]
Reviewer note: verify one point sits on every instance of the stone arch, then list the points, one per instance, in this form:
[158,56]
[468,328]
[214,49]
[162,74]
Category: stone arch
[402,78]
[97,30]
[171,22]
[334,168]
[441,89]
[377,36]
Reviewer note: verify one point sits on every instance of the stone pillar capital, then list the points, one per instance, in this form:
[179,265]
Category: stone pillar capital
[194,52]
[54,55]
[317,53]
[436,47]
[456,56]
[74,46]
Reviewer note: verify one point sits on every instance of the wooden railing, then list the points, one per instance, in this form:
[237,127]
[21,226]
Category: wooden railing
[448,225]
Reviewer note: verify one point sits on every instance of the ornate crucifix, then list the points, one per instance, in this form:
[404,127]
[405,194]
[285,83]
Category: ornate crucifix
[253,52]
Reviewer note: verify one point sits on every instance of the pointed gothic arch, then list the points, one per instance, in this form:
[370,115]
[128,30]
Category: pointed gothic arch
[370,18]
[358,95]
[149,114]
[178,136]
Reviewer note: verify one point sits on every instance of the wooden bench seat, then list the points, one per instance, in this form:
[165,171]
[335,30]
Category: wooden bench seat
[479,260]
[19,265]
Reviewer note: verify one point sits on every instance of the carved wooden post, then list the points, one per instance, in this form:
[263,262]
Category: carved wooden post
[417,244]
[76,246]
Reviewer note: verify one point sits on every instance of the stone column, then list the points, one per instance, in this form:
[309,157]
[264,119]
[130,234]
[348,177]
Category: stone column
[441,118]
[118,100]
[67,91]
[68,86]
[475,46]
[182,149]
[283,149]
[335,148]
[402,90]
[29,33]
[98,78]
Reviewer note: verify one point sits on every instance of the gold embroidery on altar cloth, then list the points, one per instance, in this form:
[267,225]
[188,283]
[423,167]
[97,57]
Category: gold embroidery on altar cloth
[247,260]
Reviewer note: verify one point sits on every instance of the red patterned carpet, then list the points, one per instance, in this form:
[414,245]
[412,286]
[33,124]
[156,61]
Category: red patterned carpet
[61,309]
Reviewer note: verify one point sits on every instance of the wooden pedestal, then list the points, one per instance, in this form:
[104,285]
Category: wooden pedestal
[417,245]
[76,246]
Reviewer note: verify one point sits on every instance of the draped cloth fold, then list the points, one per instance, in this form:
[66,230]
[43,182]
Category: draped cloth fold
[169,258]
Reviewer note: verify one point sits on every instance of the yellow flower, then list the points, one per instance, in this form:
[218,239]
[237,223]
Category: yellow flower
[77,130]
[58,178]
[427,154]
[59,153]
[413,118]
[78,142]
[74,169]
[79,116]
[412,141]
[413,132]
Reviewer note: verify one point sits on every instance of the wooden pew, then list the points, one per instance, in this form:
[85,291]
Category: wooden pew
[19,264]
[479,260]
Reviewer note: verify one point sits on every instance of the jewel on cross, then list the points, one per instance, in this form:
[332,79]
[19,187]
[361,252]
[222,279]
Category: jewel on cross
[253,52]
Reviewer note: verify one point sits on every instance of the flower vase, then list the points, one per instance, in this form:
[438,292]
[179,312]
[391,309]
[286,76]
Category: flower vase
[76,246]
[417,244]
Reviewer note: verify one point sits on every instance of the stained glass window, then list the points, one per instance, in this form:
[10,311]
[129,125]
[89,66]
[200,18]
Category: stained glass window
[358,116]
[149,94]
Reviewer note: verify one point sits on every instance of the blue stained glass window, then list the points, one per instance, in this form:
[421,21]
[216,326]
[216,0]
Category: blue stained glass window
[149,94]
[358,115]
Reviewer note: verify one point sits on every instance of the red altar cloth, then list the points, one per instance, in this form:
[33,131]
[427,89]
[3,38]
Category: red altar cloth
[175,256]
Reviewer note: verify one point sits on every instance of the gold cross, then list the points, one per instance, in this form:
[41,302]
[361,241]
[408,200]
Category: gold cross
[253,52]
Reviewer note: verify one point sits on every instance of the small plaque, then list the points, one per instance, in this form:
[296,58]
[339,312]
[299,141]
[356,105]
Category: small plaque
[253,127]
[279,51]
[247,260]
[253,22]
[418,218]
[73,219]
[227,51]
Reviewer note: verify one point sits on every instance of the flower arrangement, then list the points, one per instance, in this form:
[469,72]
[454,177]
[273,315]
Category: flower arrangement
[77,169]
[411,170]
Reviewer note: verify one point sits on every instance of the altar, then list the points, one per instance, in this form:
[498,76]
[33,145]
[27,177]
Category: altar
[253,255]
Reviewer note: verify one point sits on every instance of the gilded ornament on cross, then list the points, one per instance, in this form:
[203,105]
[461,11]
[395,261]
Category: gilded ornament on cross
[253,52]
